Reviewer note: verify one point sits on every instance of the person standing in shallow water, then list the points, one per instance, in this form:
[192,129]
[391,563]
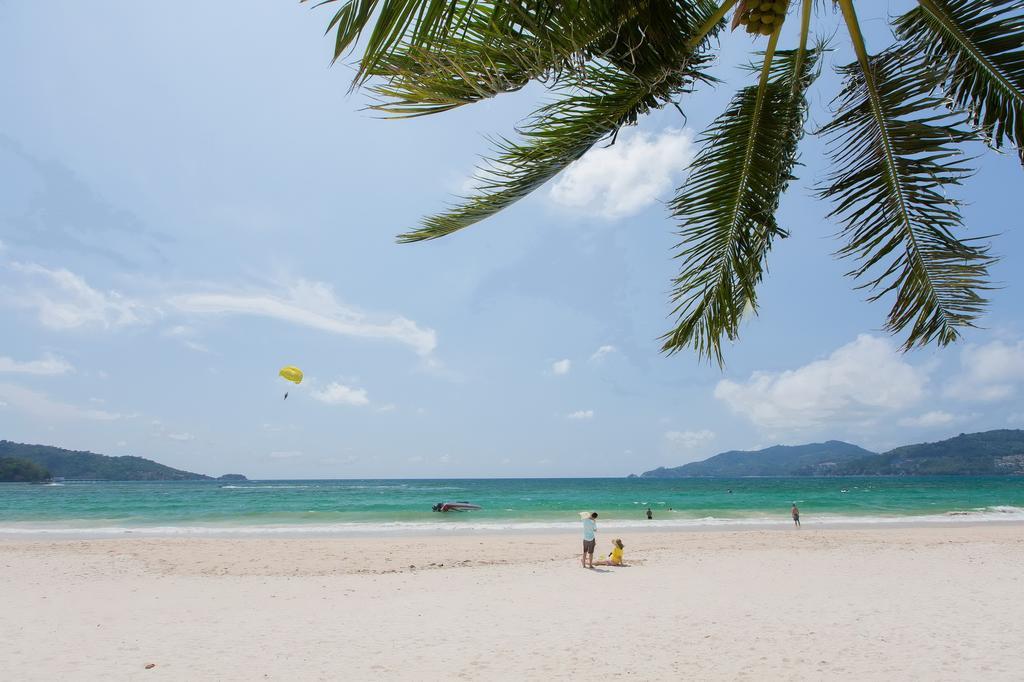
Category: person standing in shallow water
[589,540]
[650,514]
[796,515]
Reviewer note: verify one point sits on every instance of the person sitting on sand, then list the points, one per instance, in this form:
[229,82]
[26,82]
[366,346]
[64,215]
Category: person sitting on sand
[615,558]
[796,515]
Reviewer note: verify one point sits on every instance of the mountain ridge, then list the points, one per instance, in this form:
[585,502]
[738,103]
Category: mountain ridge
[84,465]
[995,452]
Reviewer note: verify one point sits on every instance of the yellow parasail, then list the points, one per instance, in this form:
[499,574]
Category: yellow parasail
[292,374]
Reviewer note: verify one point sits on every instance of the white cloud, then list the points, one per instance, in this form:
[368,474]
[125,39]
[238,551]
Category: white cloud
[314,305]
[689,439]
[862,380]
[63,300]
[561,366]
[624,178]
[415,459]
[186,335]
[49,365]
[285,454]
[580,414]
[929,419]
[601,352]
[181,436]
[339,394]
[444,459]
[40,405]
[988,372]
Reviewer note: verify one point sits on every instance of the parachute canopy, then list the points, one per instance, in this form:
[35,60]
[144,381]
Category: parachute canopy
[292,374]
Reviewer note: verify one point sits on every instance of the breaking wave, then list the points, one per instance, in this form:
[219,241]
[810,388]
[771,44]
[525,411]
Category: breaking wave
[994,514]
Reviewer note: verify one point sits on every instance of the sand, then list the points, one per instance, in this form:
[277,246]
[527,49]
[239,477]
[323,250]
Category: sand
[859,604]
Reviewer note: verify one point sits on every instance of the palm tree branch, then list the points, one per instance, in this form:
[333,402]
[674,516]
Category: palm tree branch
[727,206]
[891,173]
[595,101]
[488,57]
[557,134]
[748,156]
[897,162]
[569,28]
[805,31]
[976,50]
[709,24]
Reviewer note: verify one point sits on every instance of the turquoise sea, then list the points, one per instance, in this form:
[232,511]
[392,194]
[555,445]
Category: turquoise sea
[341,507]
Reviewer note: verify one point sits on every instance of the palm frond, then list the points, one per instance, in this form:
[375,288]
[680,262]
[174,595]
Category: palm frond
[494,55]
[975,49]
[393,21]
[727,205]
[423,81]
[896,159]
[595,101]
[557,134]
[562,32]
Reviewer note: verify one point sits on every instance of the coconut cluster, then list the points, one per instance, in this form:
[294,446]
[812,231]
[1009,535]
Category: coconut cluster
[764,16]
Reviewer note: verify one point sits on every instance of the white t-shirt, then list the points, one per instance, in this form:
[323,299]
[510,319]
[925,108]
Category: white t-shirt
[589,528]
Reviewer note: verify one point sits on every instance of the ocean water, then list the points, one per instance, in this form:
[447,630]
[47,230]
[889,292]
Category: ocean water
[340,507]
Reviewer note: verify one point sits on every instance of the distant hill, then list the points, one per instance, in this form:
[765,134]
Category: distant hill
[75,465]
[14,470]
[969,454]
[814,459]
[999,452]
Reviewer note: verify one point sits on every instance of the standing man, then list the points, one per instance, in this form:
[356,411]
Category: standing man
[589,539]
[796,515]
[650,514]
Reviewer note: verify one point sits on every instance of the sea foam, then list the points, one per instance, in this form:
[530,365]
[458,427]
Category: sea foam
[993,514]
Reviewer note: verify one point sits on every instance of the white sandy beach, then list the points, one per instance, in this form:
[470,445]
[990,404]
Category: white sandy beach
[895,603]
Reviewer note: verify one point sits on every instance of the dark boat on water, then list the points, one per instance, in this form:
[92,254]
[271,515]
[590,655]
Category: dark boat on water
[454,506]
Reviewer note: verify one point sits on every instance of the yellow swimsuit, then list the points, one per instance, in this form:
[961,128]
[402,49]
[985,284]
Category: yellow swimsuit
[616,556]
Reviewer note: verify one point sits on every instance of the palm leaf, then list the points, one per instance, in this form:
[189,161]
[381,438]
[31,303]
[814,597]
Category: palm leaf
[393,21]
[557,134]
[596,100]
[562,31]
[492,55]
[727,205]
[896,160]
[975,48]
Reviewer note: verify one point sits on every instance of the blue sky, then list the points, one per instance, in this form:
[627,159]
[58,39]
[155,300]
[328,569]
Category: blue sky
[192,199]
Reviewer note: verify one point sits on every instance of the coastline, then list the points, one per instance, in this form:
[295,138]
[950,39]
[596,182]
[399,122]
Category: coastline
[877,603]
[72,529]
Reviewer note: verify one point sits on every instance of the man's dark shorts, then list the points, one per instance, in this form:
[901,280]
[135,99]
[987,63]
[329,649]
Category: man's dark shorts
[588,546]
